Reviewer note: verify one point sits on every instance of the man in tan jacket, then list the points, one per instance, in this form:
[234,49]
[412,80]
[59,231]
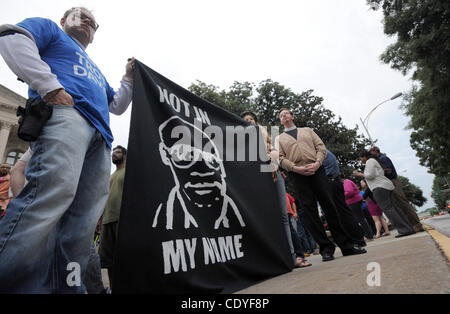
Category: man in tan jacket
[301,154]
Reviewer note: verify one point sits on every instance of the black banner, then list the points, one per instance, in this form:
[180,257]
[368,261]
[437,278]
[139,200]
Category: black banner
[199,212]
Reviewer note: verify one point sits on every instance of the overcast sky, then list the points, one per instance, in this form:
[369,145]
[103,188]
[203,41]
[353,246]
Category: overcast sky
[330,46]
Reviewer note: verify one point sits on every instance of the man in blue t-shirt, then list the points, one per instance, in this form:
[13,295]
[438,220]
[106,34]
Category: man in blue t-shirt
[46,234]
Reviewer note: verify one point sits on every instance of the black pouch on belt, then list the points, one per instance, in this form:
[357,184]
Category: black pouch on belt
[32,119]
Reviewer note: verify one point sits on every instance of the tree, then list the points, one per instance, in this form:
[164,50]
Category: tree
[412,192]
[422,30]
[441,192]
[265,100]
[433,211]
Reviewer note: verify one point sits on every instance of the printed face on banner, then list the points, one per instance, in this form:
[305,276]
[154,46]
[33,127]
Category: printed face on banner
[198,207]
[199,176]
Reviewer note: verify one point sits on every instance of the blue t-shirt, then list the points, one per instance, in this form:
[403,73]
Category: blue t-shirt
[364,204]
[387,163]
[331,165]
[75,71]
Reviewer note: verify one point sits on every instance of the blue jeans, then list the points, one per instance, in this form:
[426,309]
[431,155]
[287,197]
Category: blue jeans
[93,276]
[296,241]
[306,239]
[46,234]
[281,192]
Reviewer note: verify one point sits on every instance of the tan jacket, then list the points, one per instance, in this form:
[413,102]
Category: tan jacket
[307,149]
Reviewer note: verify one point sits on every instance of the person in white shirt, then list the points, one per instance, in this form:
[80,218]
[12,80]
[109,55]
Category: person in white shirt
[382,189]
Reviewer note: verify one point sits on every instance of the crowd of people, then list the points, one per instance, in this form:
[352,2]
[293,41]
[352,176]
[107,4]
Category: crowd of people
[353,214]
[62,205]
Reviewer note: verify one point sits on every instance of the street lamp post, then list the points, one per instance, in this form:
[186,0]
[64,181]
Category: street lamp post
[365,122]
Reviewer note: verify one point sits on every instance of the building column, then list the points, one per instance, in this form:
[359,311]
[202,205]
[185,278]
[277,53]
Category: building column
[5,128]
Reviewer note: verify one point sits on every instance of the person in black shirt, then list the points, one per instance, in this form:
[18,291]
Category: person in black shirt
[348,220]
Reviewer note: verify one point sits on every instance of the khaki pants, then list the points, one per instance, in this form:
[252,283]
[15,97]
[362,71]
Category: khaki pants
[403,203]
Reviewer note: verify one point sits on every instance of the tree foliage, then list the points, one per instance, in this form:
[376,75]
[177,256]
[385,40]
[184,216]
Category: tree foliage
[441,184]
[412,192]
[422,30]
[433,211]
[265,100]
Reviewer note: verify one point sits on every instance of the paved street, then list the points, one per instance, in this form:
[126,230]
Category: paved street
[412,264]
[440,223]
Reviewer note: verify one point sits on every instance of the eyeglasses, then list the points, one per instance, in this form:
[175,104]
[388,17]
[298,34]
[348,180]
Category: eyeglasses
[84,17]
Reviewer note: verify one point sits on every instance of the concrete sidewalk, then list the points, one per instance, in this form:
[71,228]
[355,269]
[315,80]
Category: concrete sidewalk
[412,264]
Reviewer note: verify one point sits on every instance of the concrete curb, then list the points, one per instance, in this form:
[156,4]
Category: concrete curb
[442,241]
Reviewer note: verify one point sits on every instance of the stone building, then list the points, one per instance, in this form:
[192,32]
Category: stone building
[11,147]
